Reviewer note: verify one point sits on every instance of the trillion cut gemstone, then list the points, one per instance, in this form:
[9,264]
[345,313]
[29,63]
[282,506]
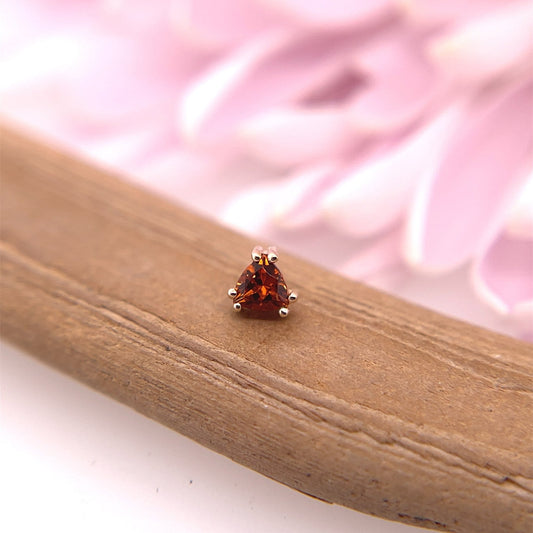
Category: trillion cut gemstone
[261,287]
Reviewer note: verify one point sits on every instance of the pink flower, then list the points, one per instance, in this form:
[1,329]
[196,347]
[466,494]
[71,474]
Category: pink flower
[392,136]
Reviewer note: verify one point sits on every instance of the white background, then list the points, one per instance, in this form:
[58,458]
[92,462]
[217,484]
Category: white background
[76,461]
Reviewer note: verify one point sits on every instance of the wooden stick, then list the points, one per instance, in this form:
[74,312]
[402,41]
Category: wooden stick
[357,398]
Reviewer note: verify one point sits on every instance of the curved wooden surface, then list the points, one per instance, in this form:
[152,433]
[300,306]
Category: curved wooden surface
[357,398]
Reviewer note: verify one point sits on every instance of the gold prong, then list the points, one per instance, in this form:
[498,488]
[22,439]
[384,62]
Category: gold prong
[283,312]
[237,307]
[293,296]
[233,292]
[256,253]
[272,254]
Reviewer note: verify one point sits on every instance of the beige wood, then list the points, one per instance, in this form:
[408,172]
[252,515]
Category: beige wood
[357,398]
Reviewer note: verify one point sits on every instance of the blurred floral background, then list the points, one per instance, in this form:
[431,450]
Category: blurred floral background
[389,140]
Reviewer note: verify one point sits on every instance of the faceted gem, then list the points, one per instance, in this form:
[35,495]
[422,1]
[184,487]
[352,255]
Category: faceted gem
[261,287]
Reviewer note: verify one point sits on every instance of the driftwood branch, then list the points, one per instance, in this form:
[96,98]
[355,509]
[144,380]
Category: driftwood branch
[357,398]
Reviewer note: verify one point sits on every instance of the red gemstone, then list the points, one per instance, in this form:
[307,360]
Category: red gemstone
[261,287]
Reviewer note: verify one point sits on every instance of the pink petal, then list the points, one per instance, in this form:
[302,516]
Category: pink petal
[322,13]
[489,47]
[39,62]
[457,211]
[299,198]
[205,182]
[181,174]
[373,196]
[432,13]
[522,317]
[170,170]
[127,149]
[503,276]
[378,265]
[137,17]
[119,151]
[277,68]
[519,222]
[376,257]
[220,24]
[337,90]
[119,76]
[296,201]
[25,21]
[289,136]
[250,210]
[400,84]
[94,72]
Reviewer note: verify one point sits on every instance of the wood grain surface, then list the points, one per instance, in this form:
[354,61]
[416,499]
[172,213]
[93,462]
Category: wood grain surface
[357,398]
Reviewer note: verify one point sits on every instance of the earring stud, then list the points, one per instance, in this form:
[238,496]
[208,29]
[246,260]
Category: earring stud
[261,288]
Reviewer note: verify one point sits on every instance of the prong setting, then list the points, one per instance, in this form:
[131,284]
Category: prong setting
[272,254]
[261,289]
[256,254]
